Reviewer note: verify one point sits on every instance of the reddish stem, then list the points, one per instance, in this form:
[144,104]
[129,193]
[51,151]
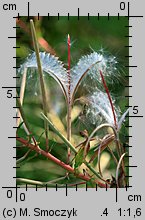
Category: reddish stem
[57,161]
[109,97]
[69,44]
[69,97]
[69,63]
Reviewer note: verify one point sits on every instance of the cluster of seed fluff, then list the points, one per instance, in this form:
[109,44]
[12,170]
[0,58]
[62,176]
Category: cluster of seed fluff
[91,65]
[87,65]
[50,65]
[84,67]
[99,109]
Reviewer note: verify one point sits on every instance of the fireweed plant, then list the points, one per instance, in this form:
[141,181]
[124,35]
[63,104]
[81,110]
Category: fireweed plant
[98,106]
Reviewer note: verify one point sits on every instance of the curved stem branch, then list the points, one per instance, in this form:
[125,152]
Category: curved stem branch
[23,157]
[118,166]
[96,130]
[116,140]
[59,162]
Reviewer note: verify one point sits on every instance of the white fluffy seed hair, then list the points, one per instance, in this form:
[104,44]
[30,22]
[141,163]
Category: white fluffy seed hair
[99,108]
[88,64]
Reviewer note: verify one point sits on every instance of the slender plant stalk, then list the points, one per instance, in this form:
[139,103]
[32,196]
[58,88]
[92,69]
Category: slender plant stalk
[39,183]
[18,102]
[63,138]
[51,183]
[68,144]
[116,140]
[96,130]
[99,157]
[113,155]
[122,161]
[60,163]
[117,169]
[42,84]
[30,181]
[23,157]
[103,147]
[99,160]
[109,97]
[22,91]
[69,107]
[115,121]
[104,126]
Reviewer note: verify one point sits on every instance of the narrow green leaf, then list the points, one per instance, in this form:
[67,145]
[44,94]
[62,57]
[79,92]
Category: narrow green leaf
[42,83]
